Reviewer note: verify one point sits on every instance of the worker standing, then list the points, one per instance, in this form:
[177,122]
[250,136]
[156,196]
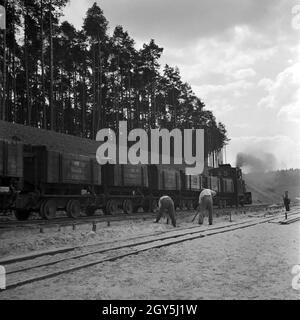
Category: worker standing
[206,204]
[286,201]
[166,203]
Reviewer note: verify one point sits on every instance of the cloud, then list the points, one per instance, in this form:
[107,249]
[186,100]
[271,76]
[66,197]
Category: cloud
[232,87]
[241,125]
[283,93]
[265,83]
[75,11]
[177,21]
[223,99]
[218,62]
[244,73]
[291,112]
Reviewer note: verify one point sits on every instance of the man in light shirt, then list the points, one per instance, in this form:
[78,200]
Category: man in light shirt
[206,203]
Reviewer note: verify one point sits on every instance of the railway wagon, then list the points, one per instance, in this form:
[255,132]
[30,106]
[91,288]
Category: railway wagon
[193,182]
[55,180]
[232,190]
[11,172]
[130,187]
[125,187]
[163,180]
[214,183]
[171,180]
[191,190]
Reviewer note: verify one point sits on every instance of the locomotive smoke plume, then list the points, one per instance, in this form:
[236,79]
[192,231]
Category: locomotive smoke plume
[259,163]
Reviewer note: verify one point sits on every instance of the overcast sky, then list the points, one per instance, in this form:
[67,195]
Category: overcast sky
[241,57]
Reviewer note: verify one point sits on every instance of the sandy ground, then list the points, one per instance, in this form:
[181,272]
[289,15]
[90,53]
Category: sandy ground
[29,240]
[251,263]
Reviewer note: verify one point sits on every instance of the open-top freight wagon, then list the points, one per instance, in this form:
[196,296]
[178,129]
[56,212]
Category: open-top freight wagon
[73,183]
[54,180]
[37,179]
[130,187]
[11,172]
[124,187]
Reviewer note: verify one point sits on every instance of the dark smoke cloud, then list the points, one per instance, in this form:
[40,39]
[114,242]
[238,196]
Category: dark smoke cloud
[259,163]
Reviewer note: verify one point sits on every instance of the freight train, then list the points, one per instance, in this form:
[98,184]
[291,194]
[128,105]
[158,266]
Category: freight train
[35,178]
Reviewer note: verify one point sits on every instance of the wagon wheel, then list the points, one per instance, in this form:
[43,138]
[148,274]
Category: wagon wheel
[187,204]
[181,204]
[42,209]
[111,207]
[90,211]
[135,209]
[220,204]
[190,205]
[22,214]
[128,206]
[195,204]
[146,205]
[73,209]
[153,205]
[48,209]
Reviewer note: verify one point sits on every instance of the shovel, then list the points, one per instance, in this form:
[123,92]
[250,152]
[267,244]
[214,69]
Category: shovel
[196,214]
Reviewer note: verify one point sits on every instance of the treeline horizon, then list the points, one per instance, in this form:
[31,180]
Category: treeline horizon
[281,174]
[80,81]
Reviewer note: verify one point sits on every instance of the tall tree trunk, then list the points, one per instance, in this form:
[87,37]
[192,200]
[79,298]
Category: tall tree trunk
[14,83]
[83,114]
[14,86]
[175,108]
[153,105]
[100,113]
[137,112]
[129,103]
[27,70]
[62,110]
[75,104]
[51,105]
[8,85]
[3,111]
[94,95]
[116,103]
[43,66]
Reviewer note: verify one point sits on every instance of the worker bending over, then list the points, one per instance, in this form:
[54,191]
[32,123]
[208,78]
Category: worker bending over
[166,203]
[206,204]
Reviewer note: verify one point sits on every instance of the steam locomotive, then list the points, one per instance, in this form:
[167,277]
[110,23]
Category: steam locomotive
[231,187]
[34,178]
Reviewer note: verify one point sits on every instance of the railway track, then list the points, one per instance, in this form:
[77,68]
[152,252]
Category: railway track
[66,221]
[290,220]
[32,268]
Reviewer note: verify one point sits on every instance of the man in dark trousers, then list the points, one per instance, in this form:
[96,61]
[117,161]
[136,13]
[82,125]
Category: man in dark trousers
[166,203]
[206,204]
[286,201]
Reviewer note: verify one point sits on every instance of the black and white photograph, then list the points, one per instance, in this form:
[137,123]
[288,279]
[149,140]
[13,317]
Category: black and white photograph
[149,150]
